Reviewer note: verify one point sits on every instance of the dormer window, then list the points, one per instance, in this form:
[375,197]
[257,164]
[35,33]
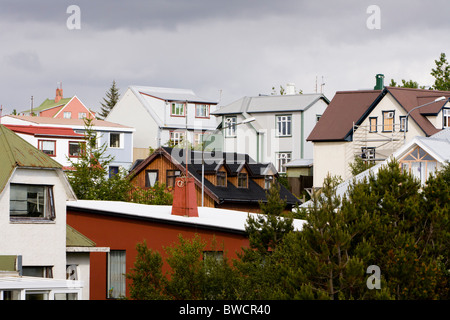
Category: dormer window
[221,179]
[242,180]
[446,118]
[268,181]
[177,109]
[31,202]
[388,121]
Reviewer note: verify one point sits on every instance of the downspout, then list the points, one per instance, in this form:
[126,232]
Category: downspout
[302,134]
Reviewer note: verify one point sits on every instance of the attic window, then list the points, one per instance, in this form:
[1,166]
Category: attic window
[446,118]
[268,181]
[388,121]
[221,179]
[242,180]
[31,201]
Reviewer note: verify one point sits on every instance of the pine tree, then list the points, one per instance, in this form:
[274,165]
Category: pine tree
[112,97]
[441,74]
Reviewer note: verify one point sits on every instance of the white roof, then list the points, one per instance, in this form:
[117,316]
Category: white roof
[24,282]
[275,103]
[172,94]
[207,217]
[300,163]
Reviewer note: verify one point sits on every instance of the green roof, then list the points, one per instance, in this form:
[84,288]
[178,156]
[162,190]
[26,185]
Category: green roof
[76,239]
[50,103]
[16,152]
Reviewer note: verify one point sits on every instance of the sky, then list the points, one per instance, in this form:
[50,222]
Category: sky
[221,49]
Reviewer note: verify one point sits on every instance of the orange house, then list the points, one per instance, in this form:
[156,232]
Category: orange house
[60,107]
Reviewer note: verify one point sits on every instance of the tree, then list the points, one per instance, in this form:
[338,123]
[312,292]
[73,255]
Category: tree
[359,165]
[441,74]
[112,97]
[406,84]
[282,91]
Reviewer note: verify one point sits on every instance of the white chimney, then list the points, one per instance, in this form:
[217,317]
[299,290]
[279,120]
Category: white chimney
[290,88]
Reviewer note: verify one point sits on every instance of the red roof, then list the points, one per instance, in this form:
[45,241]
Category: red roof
[39,131]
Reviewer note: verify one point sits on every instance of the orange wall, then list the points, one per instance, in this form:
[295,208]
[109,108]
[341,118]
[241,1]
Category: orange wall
[74,106]
[124,233]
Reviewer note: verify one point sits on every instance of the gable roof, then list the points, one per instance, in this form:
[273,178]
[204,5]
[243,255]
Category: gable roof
[50,103]
[16,152]
[41,131]
[273,103]
[346,108]
[172,94]
[233,163]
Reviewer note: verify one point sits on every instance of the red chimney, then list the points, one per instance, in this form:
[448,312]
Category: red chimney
[184,198]
[59,94]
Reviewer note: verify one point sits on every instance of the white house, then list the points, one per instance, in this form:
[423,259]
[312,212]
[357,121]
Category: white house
[33,195]
[373,124]
[59,138]
[160,115]
[279,130]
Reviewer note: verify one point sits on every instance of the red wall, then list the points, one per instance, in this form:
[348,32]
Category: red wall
[123,234]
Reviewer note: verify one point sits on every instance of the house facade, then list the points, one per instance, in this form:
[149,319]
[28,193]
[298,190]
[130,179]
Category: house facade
[102,221]
[60,107]
[373,124]
[33,195]
[279,130]
[163,117]
[231,180]
[117,138]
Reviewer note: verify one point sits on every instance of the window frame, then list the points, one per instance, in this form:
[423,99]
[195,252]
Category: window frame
[281,168]
[367,155]
[82,115]
[171,177]
[239,180]
[403,124]
[371,125]
[180,137]
[205,107]
[288,125]
[230,130]
[268,182]
[40,147]
[221,175]
[120,140]
[175,106]
[147,180]
[120,273]
[79,144]
[445,116]
[393,121]
[49,210]
[67,113]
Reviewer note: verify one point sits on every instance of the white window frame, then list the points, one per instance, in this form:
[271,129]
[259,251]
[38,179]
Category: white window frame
[177,109]
[177,137]
[445,118]
[202,111]
[120,140]
[116,279]
[44,149]
[21,202]
[283,125]
[67,115]
[81,115]
[282,159]
[230,126]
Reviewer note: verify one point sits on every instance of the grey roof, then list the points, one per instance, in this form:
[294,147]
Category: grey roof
[277,103]
[173,94]
[300,163]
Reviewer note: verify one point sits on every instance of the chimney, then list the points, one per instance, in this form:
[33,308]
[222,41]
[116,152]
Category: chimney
[59,94]
[290,88]
[184,198]
[379,82]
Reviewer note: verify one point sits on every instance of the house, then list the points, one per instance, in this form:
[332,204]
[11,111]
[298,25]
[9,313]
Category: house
[421,157]
[117,138]
[103,221]
[33,195]
[163,116]
[231,180]
[60,107]
[372,124]
[278,133]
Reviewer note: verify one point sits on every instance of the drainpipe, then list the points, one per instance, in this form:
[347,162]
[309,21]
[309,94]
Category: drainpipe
[302,134]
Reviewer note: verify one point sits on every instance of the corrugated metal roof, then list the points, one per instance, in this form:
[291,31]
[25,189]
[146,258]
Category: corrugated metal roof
[275,103]
[16,152]
[172,94]
[75,239]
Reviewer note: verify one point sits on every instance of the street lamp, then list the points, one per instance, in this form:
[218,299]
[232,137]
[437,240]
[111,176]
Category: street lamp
[423,105]
[248,120]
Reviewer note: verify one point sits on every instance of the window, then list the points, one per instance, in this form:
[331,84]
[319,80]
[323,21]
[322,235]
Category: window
[76,149]
[48,147]
[242,180]
[198,139]
[403,124]
[373,124]
[112,171]
[284,126]
[268,181]
[151,177]
[419,163]
[67,115]
[114,140]
[171,175]
[202,111]
[221,179]
[213,255]
[116,273]
[282,159]
[318,116]
[38,271]
[31,201]
[81,115]
[388,121]
[177,109]
[446,118]
[368,153]
[230,126]
[176,137]
[36,295]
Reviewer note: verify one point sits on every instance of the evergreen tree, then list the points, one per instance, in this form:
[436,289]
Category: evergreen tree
[441,74]
[112,97]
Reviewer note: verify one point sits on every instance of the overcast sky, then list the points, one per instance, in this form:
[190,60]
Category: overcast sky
[221,49]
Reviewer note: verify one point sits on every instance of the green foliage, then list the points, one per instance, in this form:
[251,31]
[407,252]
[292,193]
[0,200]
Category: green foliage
[112,97]
[441,74]
[359,165]
[406,84]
